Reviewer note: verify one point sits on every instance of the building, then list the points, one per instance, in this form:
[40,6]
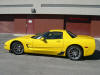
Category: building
[37,16]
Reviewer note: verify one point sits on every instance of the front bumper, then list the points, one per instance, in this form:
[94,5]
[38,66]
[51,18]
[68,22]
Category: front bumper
[6,47]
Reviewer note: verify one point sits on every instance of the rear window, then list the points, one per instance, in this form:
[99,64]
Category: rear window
[72,34]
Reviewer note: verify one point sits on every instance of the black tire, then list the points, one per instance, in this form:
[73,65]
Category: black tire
[17,48]
[74,52]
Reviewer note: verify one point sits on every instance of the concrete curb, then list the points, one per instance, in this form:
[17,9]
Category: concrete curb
[4,35]
[19,34]
[97,38]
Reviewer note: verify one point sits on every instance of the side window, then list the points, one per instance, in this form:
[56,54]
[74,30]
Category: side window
[54,35]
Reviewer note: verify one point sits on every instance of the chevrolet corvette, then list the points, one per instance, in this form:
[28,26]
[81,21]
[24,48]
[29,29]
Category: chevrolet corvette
[53,42]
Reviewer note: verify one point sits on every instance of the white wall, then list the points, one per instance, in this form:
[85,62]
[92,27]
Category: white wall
[77,7]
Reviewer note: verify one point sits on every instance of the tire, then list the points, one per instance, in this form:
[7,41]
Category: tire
[74,52]
[17,48]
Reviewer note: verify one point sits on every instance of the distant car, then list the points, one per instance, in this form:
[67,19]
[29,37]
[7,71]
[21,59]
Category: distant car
[53,42]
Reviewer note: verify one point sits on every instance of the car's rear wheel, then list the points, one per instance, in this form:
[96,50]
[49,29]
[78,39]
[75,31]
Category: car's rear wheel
[75,52]
[17,48]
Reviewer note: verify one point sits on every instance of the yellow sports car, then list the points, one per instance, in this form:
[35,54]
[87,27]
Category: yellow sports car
[53,42]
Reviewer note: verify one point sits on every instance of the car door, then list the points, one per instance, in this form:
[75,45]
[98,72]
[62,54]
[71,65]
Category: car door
[52,44]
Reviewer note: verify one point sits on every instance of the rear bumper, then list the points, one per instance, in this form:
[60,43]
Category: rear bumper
[92,47]
[89,53]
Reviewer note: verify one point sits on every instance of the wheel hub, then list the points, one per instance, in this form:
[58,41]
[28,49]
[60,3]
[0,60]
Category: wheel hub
[74,53]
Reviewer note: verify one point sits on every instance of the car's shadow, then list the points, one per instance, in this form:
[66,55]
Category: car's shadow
[95,56]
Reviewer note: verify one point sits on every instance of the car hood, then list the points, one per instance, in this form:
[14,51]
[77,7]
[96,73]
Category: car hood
[19,38]
[84,37]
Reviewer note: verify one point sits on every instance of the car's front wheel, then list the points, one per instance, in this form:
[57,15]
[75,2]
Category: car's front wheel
[74,52]
[17,48]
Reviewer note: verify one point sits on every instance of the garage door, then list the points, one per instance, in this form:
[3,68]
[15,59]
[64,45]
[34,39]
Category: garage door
[43,23]
[80,26]
[6,24]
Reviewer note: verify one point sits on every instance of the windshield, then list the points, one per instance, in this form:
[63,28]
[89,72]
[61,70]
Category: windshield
[38,36]
[72,34]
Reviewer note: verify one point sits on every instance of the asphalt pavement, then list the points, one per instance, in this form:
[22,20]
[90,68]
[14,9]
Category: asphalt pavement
[32,64]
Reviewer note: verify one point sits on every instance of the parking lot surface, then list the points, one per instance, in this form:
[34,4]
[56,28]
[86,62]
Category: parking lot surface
[32,64]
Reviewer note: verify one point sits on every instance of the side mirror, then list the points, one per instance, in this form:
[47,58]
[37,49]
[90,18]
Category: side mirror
[42,38]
